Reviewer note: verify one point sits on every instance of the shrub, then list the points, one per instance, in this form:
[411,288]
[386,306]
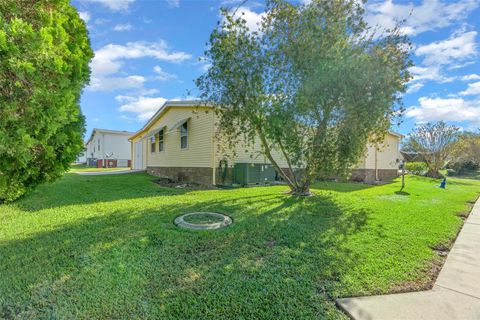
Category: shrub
[462,167]
[418,168]
[451,172]
[44,56]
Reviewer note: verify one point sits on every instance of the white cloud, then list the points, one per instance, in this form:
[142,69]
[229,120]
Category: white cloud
[84,15]
[123,27]
[456,51]
[252,18]
[163,75]
[225,3]
[460,65]
[205,66]
[415,87]
[143,107]
[469,77]
[126,118]
[473,89]
[450,109]
[115,5]
[109,61]
[460,46]
[428,15]
[116,83]
[173,3]
[147,92]
[432,73]
[101,21]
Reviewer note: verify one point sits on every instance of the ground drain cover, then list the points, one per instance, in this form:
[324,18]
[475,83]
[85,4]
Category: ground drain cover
[203,220]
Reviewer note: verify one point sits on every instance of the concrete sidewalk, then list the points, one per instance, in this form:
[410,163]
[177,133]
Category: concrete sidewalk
[455,295]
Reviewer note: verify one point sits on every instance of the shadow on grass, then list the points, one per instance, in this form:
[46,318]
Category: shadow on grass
[348,186]
[74,189]
[284,261]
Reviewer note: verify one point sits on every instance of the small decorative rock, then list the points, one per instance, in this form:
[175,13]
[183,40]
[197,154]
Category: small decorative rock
[225,221]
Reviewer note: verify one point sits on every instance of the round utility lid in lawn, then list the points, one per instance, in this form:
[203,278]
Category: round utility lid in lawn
[203,220]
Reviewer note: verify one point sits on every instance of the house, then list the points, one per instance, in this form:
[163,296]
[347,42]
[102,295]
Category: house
[81,158]
[380,162]
[108,148]
[180,142]
[412,156]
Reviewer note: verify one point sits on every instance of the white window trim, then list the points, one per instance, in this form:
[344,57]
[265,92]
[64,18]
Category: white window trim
[163,140]
[186,135]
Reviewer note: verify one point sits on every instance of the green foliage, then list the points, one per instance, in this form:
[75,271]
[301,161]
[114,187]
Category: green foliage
[44,56]
[452,173]
[465,156]
[313,84]
[435,142]
[418,168]
[70,252]
[463,167]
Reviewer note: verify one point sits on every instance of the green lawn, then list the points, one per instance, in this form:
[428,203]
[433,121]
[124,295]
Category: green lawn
[83,168]
[105,247]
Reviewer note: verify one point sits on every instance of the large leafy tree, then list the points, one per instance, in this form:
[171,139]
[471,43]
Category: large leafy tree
[315,83]
[435,142]
[44,56]
[466,152]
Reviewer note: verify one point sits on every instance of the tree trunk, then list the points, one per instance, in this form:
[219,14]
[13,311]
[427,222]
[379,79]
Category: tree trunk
[433,173]
[302,185]
[303,191]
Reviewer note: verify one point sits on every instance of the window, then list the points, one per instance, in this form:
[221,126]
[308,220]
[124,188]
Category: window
[184,135]
[152,144]
[99,145]
[160,141]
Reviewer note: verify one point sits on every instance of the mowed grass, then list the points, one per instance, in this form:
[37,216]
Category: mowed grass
[105,247]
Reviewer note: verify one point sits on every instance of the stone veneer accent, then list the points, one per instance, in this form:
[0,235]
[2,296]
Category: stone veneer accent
[368,175]
[184,174]
[203,176]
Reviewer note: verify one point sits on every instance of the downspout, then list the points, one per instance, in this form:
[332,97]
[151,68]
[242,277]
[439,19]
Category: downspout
[376,164]
[214,173]
[131,154]
[103,151]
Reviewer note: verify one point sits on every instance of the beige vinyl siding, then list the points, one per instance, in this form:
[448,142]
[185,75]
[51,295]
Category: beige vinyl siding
[249,154]
[200,139]
[204,147]
[386,156]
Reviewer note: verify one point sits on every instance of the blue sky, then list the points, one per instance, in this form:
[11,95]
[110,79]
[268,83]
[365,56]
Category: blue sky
[150,51]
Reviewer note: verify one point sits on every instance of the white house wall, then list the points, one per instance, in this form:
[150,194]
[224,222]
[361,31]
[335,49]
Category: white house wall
[115,144]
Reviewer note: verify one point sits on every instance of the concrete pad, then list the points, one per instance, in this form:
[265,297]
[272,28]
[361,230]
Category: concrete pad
[455,295]
[436,304]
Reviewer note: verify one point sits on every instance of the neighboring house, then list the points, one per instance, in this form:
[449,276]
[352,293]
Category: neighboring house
[380,162]
[412,156]
[180,142]
[108,148]
[81,158]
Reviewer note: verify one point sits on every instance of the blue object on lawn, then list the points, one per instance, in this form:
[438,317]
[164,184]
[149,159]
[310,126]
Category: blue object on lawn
[443,183]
